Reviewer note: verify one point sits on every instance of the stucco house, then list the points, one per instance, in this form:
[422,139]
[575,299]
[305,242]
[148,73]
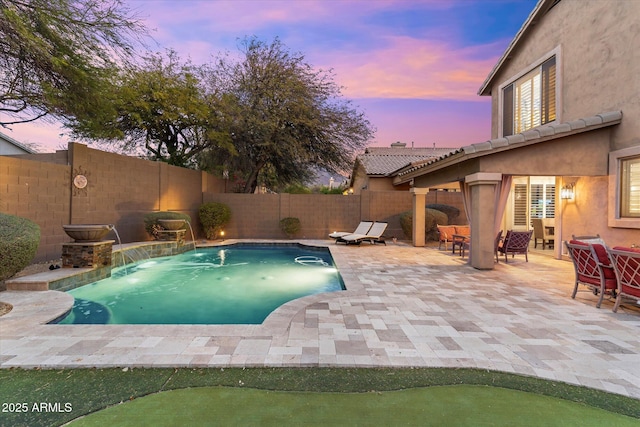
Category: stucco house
[10,147]
[375,168]
[565,99]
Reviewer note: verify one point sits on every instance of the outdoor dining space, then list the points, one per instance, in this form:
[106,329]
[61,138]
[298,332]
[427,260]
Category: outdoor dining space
[604,270]
[600,269]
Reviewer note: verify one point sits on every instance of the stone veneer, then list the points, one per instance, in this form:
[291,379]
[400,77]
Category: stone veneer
[91,254]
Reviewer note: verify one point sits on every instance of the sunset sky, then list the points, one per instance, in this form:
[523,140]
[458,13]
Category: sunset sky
[413,67]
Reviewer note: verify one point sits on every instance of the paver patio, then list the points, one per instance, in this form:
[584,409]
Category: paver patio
[404,306]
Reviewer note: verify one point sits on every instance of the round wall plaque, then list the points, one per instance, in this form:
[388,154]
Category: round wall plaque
[80,181]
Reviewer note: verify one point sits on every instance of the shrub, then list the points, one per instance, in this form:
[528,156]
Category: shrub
[19,241]
[290,226]
[451,211]
[296,189]
[214,216]
[432,218]
[406,223]
[151,221]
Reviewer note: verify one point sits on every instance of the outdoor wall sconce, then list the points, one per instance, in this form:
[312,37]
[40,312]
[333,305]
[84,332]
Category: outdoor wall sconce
[567,192]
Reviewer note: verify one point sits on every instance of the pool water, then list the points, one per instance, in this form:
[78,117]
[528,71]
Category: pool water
[235,284]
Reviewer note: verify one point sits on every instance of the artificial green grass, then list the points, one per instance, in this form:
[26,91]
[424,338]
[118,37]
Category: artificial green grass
[459,405]
[89,390]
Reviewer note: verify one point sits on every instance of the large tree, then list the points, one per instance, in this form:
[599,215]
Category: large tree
[158,109]
[284,117]
[56,55]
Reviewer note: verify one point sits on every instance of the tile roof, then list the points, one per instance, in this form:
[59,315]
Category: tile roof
[531,136]
[385,160]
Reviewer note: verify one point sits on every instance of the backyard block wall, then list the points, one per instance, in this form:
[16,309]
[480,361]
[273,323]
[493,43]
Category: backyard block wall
[40,192]
[259,215]
[120,190]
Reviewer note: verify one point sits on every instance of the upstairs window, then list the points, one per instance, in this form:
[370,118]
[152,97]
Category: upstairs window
[530,101]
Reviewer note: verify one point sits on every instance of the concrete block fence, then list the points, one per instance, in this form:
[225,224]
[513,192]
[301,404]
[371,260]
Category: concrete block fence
[120,190]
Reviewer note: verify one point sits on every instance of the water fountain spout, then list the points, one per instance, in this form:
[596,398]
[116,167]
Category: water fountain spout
[124,264]
[192,236]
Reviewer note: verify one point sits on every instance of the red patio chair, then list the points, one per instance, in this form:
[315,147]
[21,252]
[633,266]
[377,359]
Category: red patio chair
[593,269]
[626,264]
[515,242]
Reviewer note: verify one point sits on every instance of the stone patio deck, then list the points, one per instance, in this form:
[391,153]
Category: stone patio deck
[404,306]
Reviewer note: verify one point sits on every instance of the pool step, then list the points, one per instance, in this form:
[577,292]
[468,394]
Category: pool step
[48,280]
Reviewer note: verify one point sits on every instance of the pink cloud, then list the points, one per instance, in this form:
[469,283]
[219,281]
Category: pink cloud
[411,68]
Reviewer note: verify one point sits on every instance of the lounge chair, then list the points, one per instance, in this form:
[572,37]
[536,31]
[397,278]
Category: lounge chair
[374,235]
[362,228]
[626,264]
[593,268]
[515,242]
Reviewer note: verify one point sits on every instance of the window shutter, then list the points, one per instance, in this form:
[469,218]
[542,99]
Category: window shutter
[537,201]
[549,91]
[531,100]
[520,204]
[550,201]
[507,110]
[527,102]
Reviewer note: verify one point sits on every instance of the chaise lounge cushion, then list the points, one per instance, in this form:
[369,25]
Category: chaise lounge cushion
[607,268]
[446,232]
[463,230]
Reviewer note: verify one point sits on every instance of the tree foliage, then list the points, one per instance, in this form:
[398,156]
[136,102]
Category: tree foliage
[160,106]
[56,55]
[284,117]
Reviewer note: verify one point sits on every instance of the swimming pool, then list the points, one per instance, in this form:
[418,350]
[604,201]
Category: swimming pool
[235,284]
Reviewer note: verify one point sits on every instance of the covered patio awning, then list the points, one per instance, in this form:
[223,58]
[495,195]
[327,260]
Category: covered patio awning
[576,148]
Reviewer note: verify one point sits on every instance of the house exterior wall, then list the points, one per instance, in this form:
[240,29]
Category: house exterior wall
[597,71]
[9,149]
[383,184]
[599,63]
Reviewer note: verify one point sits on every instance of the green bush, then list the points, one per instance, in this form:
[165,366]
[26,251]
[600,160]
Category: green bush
[296,189]
[290,226]
[214,216]
[432,218]
[406,223]
[451,211]
[19,241]
[151,220]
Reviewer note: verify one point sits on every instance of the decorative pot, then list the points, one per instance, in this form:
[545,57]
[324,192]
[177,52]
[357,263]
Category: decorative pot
[171,224]
[85,233]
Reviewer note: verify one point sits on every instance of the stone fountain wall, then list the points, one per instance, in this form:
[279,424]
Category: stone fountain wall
[92,255]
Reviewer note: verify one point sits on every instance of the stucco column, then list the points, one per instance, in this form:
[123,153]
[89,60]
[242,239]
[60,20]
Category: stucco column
[419,203]
[482,188]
